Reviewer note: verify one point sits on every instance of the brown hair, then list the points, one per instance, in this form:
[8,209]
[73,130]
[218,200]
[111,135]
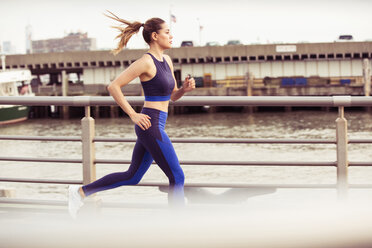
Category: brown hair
[150,26]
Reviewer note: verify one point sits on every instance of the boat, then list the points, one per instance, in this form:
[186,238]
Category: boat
[15,82]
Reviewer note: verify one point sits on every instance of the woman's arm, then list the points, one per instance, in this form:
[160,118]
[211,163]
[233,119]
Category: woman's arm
[134,70]
[188,84]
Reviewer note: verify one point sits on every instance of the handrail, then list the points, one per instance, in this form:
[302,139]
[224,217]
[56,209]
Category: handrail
[40,138]
[241,140]
[196,185]
[64,203]
[179,140]
[88,138]
[311,101]
[45,160]
[188,140]
[28,180]
[188,162]
[227,140]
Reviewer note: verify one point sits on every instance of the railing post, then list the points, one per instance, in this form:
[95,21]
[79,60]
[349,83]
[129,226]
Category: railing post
[65,109]
[89,167]
[342,160]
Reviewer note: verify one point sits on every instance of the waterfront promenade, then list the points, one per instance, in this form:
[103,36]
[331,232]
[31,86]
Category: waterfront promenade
[325,213]
[89,139]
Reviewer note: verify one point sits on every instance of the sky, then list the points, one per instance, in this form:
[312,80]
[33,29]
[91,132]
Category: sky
[250,21]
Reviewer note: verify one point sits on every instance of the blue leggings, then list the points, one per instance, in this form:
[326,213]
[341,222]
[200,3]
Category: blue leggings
[152,144]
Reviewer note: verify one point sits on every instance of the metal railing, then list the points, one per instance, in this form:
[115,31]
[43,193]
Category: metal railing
[88,138]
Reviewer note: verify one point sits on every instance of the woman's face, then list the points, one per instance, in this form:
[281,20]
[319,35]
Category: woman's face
[164,38]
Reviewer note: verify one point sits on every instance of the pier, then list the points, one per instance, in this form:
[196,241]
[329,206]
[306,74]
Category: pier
[301,69]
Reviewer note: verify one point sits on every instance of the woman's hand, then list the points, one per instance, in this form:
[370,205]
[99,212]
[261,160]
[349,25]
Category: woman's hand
[141,120]
[188,84]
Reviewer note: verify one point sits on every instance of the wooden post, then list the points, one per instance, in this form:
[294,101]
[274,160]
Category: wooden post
[366,77]
[7,193]
[92,204]
[342,158]
[89,167]
[65,112]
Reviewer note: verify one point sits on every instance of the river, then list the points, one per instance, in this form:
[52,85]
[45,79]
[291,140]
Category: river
[300,124]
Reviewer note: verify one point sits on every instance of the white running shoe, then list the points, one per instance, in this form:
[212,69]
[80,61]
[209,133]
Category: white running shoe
[75,200]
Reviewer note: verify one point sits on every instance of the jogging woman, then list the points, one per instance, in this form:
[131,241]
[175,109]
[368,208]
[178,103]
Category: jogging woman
[155,70]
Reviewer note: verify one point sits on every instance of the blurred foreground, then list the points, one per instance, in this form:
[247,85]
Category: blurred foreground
[322,225]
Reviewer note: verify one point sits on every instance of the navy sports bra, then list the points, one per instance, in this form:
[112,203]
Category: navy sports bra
[160,87]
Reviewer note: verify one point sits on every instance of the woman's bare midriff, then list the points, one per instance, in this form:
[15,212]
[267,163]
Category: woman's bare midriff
[161,105]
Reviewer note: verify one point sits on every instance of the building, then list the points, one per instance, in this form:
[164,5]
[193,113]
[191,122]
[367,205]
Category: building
[72,42]
[8,48]
[271,66]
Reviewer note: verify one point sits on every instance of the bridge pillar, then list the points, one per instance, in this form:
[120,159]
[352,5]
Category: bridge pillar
[114,112]
[249,84]
[96,112]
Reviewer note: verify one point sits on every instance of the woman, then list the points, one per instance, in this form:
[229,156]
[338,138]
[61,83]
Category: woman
[155,70]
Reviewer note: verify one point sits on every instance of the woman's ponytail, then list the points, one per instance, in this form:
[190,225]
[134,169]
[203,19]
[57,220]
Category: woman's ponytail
[125,33]
[150,26]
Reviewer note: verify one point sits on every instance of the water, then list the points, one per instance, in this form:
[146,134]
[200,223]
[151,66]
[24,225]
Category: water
[296,124]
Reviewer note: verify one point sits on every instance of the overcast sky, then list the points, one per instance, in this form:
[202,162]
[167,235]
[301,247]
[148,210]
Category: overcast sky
[250,21]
